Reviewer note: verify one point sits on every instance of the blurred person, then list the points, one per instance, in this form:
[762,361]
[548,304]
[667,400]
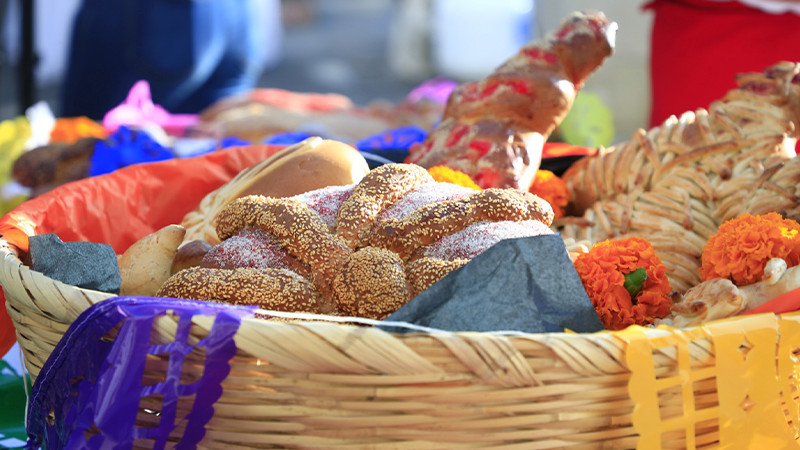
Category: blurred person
[192,52]
[698,47]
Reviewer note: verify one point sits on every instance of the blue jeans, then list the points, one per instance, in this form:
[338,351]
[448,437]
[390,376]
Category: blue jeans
[192,52]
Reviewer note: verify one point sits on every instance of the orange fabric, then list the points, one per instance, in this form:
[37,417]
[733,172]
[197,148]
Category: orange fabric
[121,207]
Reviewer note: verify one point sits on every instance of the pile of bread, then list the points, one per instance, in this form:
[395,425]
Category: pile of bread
[362,244]
[260,113]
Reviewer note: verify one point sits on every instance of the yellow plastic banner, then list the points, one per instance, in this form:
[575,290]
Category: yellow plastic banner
[731,383]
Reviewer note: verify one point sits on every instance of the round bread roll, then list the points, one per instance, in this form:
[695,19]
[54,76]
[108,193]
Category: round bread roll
[146,264]
[190,254]
[312,164]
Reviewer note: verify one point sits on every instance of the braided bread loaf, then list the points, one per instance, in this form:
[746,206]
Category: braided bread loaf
[360,250]
[307,165]
[493,129]
[676,183]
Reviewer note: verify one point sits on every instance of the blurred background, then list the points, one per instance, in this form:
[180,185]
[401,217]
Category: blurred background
[367,50]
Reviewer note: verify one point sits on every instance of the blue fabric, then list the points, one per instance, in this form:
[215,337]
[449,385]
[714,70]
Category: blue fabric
[191,52]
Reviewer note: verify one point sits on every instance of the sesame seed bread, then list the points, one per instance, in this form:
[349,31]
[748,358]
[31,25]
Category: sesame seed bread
[360,250]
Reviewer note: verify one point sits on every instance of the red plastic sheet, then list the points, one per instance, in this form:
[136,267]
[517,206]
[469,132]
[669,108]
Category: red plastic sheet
[559,149]
[121,207]
[699,46]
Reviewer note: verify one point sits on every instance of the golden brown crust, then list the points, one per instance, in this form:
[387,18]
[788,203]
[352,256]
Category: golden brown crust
[274,289]
[422,227]
[510,204]
[423,272]
[430,223]
[305,236]
[297,228]
[238,214]
[380,188]
[372,284]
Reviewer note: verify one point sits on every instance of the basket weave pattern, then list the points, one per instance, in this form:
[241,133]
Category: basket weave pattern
[41,308]
[323,384]
[675,184]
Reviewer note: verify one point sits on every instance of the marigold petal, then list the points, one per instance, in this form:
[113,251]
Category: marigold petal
[552,189]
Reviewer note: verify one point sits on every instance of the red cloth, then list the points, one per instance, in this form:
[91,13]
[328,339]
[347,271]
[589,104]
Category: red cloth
[698,47]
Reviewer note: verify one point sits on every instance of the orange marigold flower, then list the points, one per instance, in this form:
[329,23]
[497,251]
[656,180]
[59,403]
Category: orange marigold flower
[603,271]
[742,246]
[448,175]
[68,130]
[551,188]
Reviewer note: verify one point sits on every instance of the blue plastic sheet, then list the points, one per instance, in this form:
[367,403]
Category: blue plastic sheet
[394,139]
[123,148]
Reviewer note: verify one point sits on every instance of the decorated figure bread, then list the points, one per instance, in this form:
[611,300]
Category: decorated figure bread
[493,129]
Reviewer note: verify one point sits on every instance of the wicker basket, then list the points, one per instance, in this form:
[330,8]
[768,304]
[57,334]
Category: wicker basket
[322,383]
[318,384]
